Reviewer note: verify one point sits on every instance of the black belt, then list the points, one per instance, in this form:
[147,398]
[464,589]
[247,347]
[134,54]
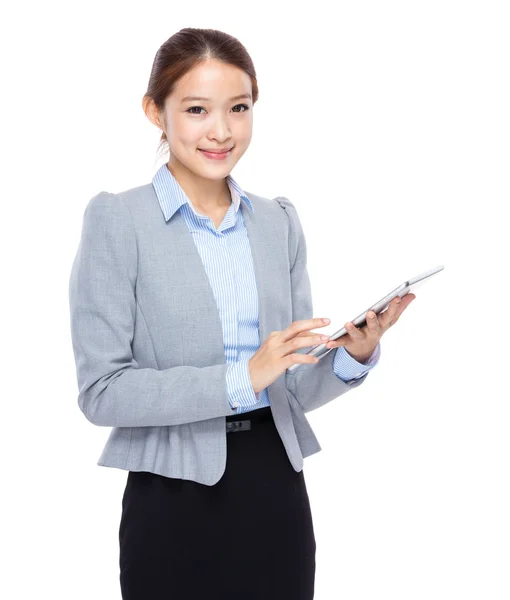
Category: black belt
[233,423]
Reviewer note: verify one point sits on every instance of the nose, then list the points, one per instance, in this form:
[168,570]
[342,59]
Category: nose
[220,130]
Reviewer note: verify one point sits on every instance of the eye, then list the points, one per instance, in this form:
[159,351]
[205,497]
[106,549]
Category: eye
[246,107]
[191,108]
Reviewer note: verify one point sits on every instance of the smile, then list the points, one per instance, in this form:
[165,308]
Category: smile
[216,155]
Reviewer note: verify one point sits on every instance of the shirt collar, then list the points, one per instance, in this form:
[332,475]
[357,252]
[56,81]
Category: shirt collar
[171,196]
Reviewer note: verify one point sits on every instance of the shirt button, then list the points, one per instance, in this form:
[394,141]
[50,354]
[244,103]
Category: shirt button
[235,404]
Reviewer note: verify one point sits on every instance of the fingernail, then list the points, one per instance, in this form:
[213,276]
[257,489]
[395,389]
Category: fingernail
[325,320]
[397,300]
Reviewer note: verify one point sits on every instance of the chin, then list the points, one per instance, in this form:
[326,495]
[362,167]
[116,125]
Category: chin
[210,172]
[212,166]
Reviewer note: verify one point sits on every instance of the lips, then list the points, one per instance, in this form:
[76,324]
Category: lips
[216,155]
[216,151]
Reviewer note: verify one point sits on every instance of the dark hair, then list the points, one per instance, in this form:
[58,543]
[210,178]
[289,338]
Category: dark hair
[183,51]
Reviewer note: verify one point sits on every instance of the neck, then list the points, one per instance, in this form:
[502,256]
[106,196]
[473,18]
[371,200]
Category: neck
[204,193]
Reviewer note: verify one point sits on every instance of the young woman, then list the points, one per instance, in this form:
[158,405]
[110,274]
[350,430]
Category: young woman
[189,300]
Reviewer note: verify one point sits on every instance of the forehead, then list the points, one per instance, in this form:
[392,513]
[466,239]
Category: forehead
[213,79]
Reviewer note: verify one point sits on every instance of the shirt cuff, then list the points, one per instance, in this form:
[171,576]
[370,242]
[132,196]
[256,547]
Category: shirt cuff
[239,386]
[348,368]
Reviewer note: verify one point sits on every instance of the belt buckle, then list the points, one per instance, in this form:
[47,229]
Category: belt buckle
[233,426]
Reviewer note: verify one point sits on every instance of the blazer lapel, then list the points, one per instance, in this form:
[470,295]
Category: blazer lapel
[269,252]
[265,243]
[190,283]
[260,234]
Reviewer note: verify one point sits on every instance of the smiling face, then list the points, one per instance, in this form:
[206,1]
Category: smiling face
[223,120]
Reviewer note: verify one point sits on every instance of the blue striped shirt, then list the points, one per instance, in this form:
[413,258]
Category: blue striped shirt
[234,287]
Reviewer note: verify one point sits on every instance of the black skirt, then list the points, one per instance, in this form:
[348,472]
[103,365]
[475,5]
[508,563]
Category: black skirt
[250,536]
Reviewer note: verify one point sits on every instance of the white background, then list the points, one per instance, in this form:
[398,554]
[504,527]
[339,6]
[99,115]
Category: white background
[387,125]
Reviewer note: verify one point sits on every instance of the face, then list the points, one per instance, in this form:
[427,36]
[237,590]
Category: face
[217,122]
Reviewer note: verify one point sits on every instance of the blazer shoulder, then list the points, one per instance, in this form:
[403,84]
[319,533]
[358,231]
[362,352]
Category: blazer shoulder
[131,202]
[285,203]
[102,203]
[291,212]
[268,201]
[273,205]
[137,195]
[106,212]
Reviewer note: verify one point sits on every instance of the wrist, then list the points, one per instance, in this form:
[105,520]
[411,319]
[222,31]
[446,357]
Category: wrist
[361,358]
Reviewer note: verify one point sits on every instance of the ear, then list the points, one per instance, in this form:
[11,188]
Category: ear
[152,112]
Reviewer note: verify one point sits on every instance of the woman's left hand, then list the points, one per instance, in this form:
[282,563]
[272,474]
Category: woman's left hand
[361,342]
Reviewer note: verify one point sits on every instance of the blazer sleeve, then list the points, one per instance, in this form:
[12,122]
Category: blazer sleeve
[313,385]
[113,390]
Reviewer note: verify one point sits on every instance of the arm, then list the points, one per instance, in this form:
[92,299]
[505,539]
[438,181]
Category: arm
[313,385]
[113,390]
[347,368]
[239,385]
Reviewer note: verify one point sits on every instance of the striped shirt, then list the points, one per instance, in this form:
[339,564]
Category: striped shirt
[234,287]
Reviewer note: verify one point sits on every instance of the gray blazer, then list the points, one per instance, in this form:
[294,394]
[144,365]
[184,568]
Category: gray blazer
[148,343]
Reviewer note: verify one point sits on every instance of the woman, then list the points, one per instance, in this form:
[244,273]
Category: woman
[189,300]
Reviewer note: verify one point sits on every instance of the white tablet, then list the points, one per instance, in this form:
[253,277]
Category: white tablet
[411,285]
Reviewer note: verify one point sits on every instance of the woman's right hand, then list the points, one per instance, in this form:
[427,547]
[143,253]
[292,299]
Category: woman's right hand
[277,353]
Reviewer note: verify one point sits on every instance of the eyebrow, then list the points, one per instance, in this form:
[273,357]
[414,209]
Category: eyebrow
[189,98]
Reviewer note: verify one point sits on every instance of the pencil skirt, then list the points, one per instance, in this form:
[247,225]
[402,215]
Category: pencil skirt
[250,536]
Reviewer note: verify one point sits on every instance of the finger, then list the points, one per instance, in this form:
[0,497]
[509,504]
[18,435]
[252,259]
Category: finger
[353,331]
[391,314]
[373,325]
[309,332]
[302,342]
[338,342]
[301,326]
[406,301]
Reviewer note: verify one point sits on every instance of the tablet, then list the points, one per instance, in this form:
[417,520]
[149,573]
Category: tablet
[411,285]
